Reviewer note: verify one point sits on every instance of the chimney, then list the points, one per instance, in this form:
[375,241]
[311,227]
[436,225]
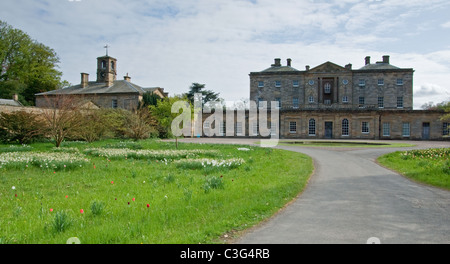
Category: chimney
[277,63]
[348,66]
[386,59]
[367,60]
[15,97]
[127,78]
[84,80]
[307,67]
[289,62]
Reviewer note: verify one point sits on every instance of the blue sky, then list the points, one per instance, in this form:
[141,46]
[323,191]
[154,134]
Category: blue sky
[173,43]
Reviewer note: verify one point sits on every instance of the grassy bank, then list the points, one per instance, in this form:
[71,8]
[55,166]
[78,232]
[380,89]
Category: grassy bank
[142,192]
[431,166]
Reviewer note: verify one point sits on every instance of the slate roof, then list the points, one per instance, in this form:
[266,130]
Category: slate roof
[10,102]
[118,87]
[379,66]
[280,69]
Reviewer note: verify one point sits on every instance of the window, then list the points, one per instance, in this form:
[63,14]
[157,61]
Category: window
[380,82]
[312,127]
[103,64]
[406,130]
[293,127]
[365,127]
[327,88]
[295,102]
[255,128]
[277,83]
[327,101]
[112,65]
[446,129]
[361,101]
[386,129]
[345,127]
[400,102]
[311,99]
[114,103]
[260,103]
[362,82]
[345,99]
[399,81]
[206,124]
[295,83]
[222,129]
[380,102]
[260,84]
[278,105]
[239,128]
[273,128]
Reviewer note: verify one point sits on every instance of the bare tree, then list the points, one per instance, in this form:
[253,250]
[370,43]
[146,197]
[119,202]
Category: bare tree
[61,116]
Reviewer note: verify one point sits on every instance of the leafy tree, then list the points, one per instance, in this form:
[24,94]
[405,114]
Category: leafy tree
[207,95]
[140,124]
[150,98]
[446,107]
[62,117]
[27,67]
[162,112]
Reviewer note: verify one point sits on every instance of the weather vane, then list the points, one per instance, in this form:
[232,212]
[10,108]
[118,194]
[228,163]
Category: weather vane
[106,47]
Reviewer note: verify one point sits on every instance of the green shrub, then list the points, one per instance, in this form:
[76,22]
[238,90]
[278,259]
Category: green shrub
[97,208]
[61,222]
[21,127]
[213,183]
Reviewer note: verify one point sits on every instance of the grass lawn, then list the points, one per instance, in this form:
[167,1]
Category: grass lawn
[431,166]
[142,192]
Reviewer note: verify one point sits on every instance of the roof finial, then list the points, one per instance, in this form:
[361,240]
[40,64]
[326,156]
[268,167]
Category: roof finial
[106,47]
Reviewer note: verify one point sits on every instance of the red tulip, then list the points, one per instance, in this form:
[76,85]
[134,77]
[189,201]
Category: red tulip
[134,199]
[82,211]
[51,209]
[148,205]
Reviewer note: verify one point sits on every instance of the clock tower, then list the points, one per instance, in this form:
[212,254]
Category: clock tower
[106,70]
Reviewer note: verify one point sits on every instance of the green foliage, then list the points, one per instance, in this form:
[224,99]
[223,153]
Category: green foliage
[430,166]
[207,95]
[61,222]
[97,208]
[213,182]
[27,66]
[163,115]
[150,98]
[20,126]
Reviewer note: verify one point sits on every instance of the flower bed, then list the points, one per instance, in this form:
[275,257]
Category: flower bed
[112,153]
[209,163]
[46,160]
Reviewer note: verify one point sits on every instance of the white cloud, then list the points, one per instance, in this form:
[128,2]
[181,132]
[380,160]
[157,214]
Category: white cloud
[176,42]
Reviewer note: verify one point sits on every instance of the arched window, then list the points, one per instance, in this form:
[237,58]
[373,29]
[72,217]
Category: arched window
[103,64]
[312,127]
[112,65]
[345,127]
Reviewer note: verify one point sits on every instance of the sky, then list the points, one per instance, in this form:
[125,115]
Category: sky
[174,43]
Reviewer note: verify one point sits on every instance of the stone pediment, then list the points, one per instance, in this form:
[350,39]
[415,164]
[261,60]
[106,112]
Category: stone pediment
[328,67]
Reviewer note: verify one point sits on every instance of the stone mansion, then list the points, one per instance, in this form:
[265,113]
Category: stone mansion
[331,101]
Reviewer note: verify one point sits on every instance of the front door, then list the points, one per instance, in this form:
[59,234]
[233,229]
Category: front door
[328,129]
[426,131]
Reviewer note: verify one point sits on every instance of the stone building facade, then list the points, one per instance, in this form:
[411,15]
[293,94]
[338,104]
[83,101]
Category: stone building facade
[106,91]
[334,102]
